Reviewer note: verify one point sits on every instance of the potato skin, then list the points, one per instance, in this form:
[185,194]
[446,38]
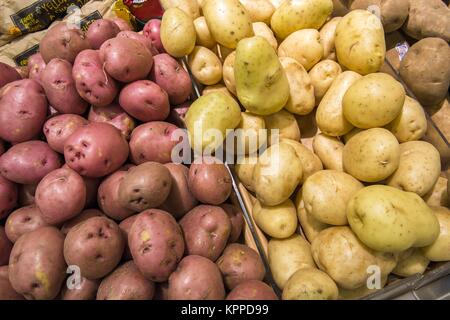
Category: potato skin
[205,65]
[122,24]
[86,292]
[140,38]
[239,263]
[108,197]
[411,262]
[83,216]
[322,76]
[156,244]
[101,30]
[177,32]
[252,290]
[6,290]
[37,267]
[439,250]
[36,65]
[329,150]
[8,196]
[58,129]
[8,74]
[5,247]
[126,283]
[327,38]
[196,278]
[310,284]
[23,108]
[278,221]
[19,163]
[236,219]
[228,73]
[115,116]
[152,31]
[311,227]
[23,220]
[95,245]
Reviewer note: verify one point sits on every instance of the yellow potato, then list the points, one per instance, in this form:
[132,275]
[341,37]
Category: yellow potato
[228,72]
[322,76]
[303,46]
[326,193]
[190,7]
[329,115]
[177,32]
[438,195]
[373,101]
[411,124]
[261,29]
[283,123]
[216,87]
[286,256]
[205,66]
[244,168]
[411,262]
[261,84]
[293,15]
[251,135]
[301,98]
[277,174]
[329,150]
[419,168]
[351,134]
[359,42]
[310,284]
[311,227]
[327,35]
[390,220]
[371,155]
[204,37]
[228,21]
[439,250]
[259,10]
[278,221]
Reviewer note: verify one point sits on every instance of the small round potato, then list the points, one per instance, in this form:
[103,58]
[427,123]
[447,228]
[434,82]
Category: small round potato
[58,129]
[310,284]
[327,36]
[252,290]
[204,37]
[278,221]
[205,66]
[283,123]
[439,250]
[178,34]
[23,220]
[108,197]
[36,65]
[322,76]
[228,72]
[152,31]
[86,291]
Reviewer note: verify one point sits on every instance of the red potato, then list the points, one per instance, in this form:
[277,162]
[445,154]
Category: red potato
[63,41]
[23,109]
[8,74]
[36,65]
[83,216]
[210,181]
[60,195]
[122,24]
[152,31]
[96,150]
[36,267]
[6,290]
[95,245]
[206,231]
[156,244]
[141,38]
[23,220]
[180,199]
[126,283]
[8,196]
[87,290]
[171,77]
[114,115]
[252,290]
[145,100]
[196,278]
[108,197]
[125,227]
[236,219]
[91,189]
[92,82]
[28,162]
[5,247]
[60,89]
[59,128]
[101,30]
[153,141]
[126,59]
[26,194]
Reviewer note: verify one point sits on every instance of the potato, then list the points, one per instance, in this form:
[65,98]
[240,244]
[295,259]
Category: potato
[58,129]
[326,194]
[96,150]
[261,29]
[329,150]
[301,100]
[37,267]
[87,291]
[115,116]
[327,36]
[411,262]
[125,227]
[153,141]
[228,72]
[36,65]
[108,197]
[322,76]
[438,195]
[23,220]
[101,30]
[203,35]
[250,134]
[8,196]
[209,117]
[282,125]
[439,250]
[259,10]
[190,7]
[371,155]
[303,46]
[351,134]
[239,264]
[147,42]
[411,123]
[209,181]
[286,256]
[359,42]
[6,290]
[426,70]
[95,245]
[152,31]
[310,226]
[205,66]
[126,59]
[126,283]
[92,82]
[390,220]
[8,74]
[310,284]
[330,115]
[83,216]
[63,41]
[292,15]
[206,231]
[418,169]
[252,290]
[237,221]
[339,253]
[145,186]
[279,169]
[23,109]
[196,278]
[216,88]
[156,243]
[373,101]
[244,169]
[5,247]
[28,162]
[278,221]
[177,32]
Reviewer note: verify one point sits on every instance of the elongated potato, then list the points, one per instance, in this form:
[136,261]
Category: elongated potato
[228,72]
[329,150]
[259,10]
[177,33]
[322,76]
[311,227]
[190,7]
[204,37]
[286,125]
[261,29]
[310,162]
[327,36]
[278,221]
[205,66]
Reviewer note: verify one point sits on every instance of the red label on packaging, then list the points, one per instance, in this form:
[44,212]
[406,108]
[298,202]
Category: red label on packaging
[144,10]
